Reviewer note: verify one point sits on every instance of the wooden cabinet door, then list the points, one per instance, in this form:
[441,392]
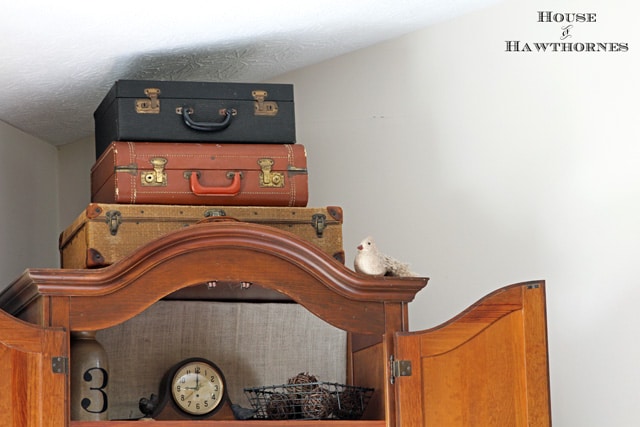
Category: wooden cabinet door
[32,394]
[486,367]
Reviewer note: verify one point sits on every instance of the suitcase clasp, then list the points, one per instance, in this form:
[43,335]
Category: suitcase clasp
[262,107]
[269,178]
[113,219]
[151,105]
[157,177]
[319,223]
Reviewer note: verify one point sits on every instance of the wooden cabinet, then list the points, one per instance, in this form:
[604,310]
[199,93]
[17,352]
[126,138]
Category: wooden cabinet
[487,366]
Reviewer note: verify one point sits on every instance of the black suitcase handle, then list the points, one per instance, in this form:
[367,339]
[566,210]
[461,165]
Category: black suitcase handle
[207,126]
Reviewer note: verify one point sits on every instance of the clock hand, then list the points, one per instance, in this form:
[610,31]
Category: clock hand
[192,388]
[187,395]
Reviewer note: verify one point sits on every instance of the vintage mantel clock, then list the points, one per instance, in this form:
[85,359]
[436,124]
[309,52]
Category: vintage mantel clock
[193,388]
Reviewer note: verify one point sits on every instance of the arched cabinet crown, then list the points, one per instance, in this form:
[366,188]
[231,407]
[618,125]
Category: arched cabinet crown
[217,252]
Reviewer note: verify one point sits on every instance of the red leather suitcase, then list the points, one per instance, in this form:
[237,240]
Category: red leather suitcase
[201,174]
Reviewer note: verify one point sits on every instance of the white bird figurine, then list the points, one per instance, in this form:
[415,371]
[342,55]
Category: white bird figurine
[370,261]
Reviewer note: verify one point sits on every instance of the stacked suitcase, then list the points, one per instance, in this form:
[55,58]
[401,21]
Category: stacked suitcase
[170,154]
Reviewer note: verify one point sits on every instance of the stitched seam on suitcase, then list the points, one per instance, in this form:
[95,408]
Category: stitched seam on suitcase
[218,156]
[292,182]
[256,193]
[116,188]
[132,182]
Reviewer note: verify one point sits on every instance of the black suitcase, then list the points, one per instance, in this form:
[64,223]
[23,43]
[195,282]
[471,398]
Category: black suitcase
[146,110]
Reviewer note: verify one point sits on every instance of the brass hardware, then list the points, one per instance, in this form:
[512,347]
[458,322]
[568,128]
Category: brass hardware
[222,111]
[319,223]
[269,178]
[150,105]
[262,107]
[293,170]
[113,220]
[230,175]
[179,110]
[399,368]
[131,168]
[157,177]
[214,212]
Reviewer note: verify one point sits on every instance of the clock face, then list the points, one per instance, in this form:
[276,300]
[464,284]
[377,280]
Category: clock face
[197,387]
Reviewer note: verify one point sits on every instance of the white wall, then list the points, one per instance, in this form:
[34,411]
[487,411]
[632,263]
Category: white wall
[76,160]
[28,203]
[484,168]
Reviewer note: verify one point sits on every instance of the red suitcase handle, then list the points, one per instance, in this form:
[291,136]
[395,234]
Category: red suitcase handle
[207,126]
[200,190]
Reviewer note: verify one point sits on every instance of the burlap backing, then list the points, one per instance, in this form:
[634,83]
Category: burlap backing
[253,344]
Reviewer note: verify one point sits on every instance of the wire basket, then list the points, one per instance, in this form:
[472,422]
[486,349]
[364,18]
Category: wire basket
[309,401]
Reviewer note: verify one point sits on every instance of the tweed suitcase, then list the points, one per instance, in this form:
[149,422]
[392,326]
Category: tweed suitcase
[105,233]
[201,174]
[144,110]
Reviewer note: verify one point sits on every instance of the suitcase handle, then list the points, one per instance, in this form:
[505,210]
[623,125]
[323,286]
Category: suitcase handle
[207,126]
[200,190]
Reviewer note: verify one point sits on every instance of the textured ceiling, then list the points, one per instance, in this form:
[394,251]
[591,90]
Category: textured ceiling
[59,59]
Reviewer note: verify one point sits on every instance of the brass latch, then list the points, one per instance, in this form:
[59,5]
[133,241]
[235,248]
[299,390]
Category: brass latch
[157,177]
[151,105]
[113,220]
[319,223]
[214,213]
[269,178]
[399,368]
[262,107]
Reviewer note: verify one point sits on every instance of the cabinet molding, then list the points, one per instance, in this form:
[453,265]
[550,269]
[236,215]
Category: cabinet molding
[227,252]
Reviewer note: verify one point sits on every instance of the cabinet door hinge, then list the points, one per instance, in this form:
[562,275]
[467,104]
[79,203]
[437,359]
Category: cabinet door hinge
[399,368]
[60,365]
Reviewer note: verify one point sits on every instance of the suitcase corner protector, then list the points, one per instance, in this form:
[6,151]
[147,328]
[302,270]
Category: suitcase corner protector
[336,213]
